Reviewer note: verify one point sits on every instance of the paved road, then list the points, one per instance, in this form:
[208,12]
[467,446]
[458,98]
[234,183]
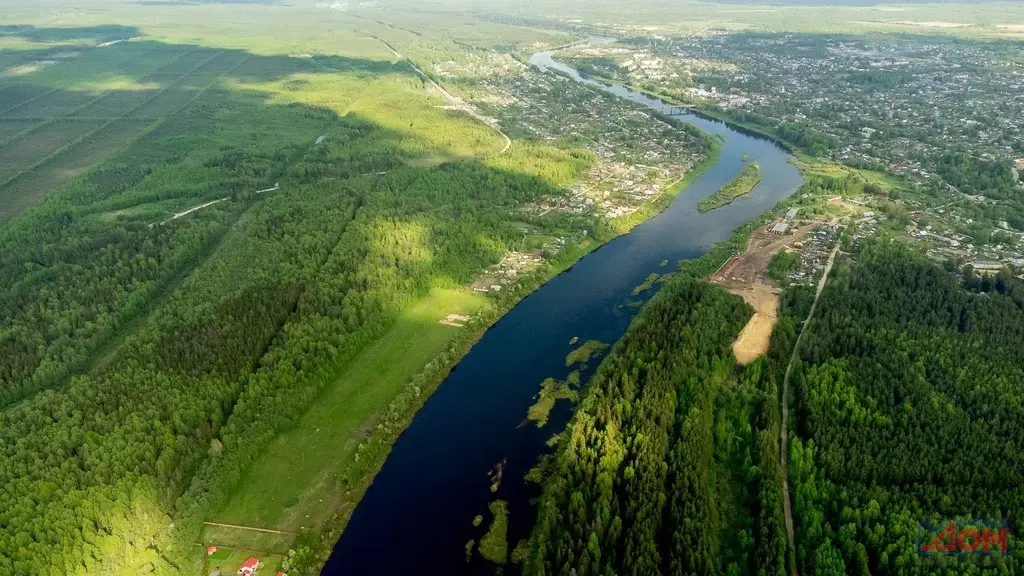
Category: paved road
[784,431]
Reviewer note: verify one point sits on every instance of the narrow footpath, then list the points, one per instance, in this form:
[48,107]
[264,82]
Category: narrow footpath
[784,431]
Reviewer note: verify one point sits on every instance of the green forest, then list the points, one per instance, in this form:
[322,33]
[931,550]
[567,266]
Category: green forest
[671,463]
[297,284]
[742,184]
[907,411]
[185,297]
[904,413]
[217,214]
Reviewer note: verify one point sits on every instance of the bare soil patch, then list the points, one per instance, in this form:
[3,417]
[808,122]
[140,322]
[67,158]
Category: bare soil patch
[753,340]
[746,275]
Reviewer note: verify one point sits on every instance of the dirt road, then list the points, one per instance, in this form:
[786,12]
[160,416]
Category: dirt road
[194,208]
[784,431]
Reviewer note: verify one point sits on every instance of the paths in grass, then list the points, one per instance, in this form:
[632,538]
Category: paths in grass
[293,484]
[9,129]
[14,96]
[58,103]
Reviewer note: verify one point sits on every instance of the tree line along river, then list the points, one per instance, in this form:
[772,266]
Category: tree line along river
[417,515]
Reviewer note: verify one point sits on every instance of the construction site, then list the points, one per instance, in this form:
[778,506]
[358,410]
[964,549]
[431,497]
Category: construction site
[746,275]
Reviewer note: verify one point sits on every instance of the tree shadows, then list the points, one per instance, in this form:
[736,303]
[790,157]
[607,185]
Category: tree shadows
[64,109]
[98,34]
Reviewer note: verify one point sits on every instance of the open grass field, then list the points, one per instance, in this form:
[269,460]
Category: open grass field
[293,483]
[238,537]
[810,166]
[228,560]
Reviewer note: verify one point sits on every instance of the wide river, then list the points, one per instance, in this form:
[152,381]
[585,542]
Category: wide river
[417,515]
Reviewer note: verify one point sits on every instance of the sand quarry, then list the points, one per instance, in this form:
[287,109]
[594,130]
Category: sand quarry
[746,275]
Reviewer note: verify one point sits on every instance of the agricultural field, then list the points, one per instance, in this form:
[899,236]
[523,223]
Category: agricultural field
[82,110]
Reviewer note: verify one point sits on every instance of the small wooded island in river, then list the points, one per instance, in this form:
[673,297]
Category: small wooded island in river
[742,184]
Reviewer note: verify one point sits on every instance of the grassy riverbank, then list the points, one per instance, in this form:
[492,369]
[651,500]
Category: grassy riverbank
[742,184]
[667,98]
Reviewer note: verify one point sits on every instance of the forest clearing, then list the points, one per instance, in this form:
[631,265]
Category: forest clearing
[746,275]
[286,488]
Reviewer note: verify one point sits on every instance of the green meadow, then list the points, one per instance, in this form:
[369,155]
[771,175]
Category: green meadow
[293,483]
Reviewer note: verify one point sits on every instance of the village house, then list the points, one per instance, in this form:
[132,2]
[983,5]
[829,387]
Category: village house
[249,567]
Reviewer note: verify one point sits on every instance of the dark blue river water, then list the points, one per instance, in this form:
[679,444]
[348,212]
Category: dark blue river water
[417,515]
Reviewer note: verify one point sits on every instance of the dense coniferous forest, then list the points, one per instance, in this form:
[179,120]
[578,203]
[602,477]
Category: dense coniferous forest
[671,464]
[904,413]
[907,410]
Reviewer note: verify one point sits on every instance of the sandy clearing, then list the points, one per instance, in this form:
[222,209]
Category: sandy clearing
[193,209]
[755,337]
[932,24]
[746,275]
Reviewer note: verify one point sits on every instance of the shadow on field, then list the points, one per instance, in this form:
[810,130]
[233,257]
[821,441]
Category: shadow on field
[102,33]
[351,240]
[65,109]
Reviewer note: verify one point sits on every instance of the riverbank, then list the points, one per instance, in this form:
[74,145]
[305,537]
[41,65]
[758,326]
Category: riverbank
[311,477]
[702,111]
[748,127]
[474,421]
[666,98]
[623,224]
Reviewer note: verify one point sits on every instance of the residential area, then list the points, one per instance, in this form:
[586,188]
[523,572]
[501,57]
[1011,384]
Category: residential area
[637,155]
[941,113]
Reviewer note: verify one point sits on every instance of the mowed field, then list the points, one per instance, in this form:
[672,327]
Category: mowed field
[60,119]
[229,560]
[287,489]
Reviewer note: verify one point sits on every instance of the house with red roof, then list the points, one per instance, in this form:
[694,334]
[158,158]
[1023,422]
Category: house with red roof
[248,568]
